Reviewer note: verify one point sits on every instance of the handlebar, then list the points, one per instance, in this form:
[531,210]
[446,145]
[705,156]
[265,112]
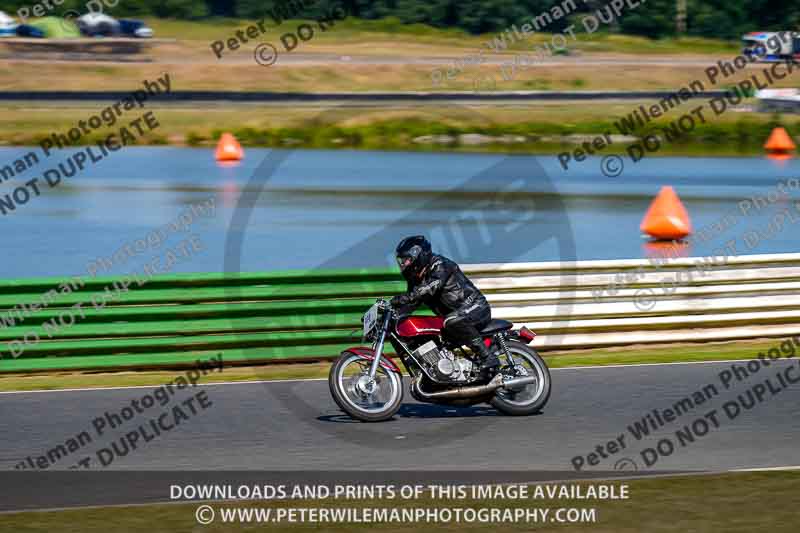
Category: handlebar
[386,307]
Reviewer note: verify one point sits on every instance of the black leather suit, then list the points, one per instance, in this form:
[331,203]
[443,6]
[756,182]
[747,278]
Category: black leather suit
[444,288]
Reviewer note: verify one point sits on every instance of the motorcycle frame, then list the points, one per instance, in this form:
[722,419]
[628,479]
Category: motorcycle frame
[377,358]
[405,354]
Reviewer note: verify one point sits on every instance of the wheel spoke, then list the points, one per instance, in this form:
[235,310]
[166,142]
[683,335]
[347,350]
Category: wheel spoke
[518,364]
[363,394]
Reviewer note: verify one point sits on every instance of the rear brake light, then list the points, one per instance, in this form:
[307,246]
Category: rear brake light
[527,334]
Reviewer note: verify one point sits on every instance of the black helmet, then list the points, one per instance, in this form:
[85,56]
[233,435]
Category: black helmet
[413,254]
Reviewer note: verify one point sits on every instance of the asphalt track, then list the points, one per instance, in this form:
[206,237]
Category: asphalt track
[295,425]
[291,433]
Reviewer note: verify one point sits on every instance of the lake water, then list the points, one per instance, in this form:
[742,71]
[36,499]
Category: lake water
[314,208]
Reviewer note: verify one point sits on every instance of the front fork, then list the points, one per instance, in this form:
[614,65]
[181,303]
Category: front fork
[376,361]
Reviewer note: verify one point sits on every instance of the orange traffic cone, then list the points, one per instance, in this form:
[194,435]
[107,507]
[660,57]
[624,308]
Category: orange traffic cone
[665,250]
[666,219]
[228,148]
[779,157]
[779,141]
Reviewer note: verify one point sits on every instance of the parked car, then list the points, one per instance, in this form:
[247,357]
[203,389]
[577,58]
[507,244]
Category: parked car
[135,28]
[98,25]
[778,100]
[26,30]
[757,44]
[102,25]
[8,26]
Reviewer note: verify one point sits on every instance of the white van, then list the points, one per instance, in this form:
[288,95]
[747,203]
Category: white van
[755,44]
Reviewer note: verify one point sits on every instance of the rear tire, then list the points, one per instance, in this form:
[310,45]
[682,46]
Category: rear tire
[515,403]
[353,401]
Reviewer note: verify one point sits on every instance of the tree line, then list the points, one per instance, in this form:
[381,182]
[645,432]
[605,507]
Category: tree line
[724,19]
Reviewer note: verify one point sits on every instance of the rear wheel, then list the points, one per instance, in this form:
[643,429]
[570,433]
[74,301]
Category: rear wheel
[527,399]
[358,396]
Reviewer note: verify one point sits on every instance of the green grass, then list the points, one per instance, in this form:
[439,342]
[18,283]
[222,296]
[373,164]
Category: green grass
[741,350]
[683,353]
[631,44]
[349,29]
[744,136]
[359,30]
[540,127]
[734,503]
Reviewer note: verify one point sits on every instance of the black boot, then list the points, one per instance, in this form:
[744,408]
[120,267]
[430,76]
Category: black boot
[489,362]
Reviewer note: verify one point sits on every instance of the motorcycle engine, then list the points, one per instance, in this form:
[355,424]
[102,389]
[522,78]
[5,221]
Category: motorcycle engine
[442,364]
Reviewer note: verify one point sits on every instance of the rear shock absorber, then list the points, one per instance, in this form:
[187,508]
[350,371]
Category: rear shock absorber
[501,340]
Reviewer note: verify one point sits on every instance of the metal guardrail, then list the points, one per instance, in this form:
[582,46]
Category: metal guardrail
[306,315]
[623,302]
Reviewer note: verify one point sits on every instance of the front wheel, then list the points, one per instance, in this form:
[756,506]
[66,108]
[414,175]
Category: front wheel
[358,396]
[530,398]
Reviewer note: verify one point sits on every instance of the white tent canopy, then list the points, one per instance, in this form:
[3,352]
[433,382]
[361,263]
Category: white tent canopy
[5,20]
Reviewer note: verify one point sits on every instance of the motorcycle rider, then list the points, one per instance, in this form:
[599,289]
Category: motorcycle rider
[440,284]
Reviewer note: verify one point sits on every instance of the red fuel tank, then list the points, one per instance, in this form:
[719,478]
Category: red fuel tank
[420,325]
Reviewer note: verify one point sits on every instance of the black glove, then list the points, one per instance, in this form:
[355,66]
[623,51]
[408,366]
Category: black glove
[398,301]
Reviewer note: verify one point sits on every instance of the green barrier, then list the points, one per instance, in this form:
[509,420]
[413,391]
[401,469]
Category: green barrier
[113,322]
[147,295]
[183,327]
[245,279]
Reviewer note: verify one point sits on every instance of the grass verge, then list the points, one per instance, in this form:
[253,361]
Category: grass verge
[735,503]
[327,73]
[512,128]
[335,74]
[403,57]
[740,350]
[354,31]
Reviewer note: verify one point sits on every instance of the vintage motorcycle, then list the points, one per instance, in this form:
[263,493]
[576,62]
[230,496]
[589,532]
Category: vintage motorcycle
[368,386]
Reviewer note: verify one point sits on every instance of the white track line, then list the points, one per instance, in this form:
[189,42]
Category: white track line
[157,385]
[767,469]
[300,380]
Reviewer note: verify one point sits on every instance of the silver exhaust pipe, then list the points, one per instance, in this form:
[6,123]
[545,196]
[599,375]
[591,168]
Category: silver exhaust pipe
[470,392]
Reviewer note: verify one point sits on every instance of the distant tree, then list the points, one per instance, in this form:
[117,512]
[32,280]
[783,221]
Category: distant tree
[725,19]
[182,9]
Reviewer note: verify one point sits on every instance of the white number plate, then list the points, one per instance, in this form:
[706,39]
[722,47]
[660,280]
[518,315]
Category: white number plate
[370,319]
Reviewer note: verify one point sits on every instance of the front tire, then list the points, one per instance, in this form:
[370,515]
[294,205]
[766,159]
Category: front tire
[363,400]
[531,398]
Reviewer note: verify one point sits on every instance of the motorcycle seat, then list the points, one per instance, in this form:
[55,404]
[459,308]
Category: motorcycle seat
[496,325]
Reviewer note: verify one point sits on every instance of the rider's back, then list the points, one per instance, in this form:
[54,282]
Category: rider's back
[455,292]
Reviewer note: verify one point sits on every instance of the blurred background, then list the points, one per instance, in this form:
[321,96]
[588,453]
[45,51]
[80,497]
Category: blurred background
[449,76]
